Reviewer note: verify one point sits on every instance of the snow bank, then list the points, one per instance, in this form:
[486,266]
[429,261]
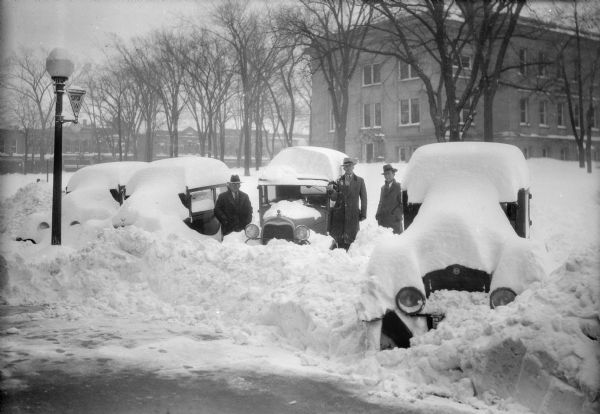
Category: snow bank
[262,303]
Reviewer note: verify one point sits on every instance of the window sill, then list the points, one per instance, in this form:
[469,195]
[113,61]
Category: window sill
[409,125]
[408,79]
[525,124]
[371,84]
[369,128]
[544,126]
[561,127]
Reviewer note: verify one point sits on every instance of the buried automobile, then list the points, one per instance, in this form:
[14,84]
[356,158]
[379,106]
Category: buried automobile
[292,194]
[93,195]
[466,213]
[175,194]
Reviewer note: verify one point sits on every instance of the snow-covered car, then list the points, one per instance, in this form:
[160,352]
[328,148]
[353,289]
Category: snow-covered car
[93,193]
[175,193]
[467,225]
[292,194]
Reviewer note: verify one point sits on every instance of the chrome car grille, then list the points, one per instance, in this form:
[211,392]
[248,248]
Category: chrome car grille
[279,231]
[457,277]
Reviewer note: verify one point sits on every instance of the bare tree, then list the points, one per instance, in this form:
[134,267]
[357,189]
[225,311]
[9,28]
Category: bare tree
[465,41]
[25,114]
[239,27]
[334,32]
[208,82]
[573,29]
[27,80]
[145,77]
[169,47]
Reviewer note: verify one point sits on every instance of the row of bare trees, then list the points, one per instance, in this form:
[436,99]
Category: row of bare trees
[240,71]
[252,67]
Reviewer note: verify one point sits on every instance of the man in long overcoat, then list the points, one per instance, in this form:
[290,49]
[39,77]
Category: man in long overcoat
[233,208]
[389,210]
[347,213]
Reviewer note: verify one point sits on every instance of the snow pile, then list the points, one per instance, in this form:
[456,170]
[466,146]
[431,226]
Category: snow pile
[289,307]
[502,164]
[297,165]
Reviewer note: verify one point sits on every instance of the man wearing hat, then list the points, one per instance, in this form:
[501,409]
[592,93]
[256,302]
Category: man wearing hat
[389,210]
[346,213]
[233,208]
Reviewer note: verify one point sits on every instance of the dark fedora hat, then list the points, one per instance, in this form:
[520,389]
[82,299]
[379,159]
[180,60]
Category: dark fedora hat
[349,161]
[234,179]
[388,167]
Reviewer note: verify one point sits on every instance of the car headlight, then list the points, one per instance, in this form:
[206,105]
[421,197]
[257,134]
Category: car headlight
[410,300]
[252,231]
[301,233]
[502,296]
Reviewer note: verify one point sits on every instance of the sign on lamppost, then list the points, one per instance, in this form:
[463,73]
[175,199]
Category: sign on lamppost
[60,67]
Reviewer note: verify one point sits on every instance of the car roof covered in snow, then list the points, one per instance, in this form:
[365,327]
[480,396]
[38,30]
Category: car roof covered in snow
[503,165]
[303,165]
[179,173]
[106,175]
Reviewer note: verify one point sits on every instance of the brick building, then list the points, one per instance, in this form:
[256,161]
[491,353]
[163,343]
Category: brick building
[389,116]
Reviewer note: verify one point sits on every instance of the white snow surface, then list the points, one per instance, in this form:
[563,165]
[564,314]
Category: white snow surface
[106,175]
[292,209]
[167,300]
[502,164]
[303,165]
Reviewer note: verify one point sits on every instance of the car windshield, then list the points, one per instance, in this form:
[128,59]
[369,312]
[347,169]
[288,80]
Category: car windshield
[314,195]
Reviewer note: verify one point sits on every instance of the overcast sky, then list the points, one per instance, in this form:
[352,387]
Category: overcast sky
[83,26]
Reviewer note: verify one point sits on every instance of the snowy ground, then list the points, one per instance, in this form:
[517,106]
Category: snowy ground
[176,304]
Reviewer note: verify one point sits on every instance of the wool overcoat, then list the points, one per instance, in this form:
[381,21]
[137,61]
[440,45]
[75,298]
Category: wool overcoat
[346,212]
[234,215]
[389,210]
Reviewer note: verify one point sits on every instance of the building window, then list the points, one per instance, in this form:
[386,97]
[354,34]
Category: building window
[331,121]
[543,113]
[371,75]
[13,146]
[371,115]
[564,154]
[377,115]
[406,71]
[542,65]
[576,114]
[462,61]
[523,61]
[410,112]
[464,114]
[524,107]
[545,152]
[560,114]
[366,115]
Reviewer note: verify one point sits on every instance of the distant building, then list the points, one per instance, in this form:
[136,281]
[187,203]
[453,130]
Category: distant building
[389,119]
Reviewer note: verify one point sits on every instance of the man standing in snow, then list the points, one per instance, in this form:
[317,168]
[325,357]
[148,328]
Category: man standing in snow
[233,208]
[389,210]
[346,214]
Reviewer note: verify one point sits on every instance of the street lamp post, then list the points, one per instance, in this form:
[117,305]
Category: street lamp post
[60,67]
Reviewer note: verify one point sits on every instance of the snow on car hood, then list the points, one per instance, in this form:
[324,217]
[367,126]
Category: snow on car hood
[502,164]
[305,165]
[292,209]
[460,222]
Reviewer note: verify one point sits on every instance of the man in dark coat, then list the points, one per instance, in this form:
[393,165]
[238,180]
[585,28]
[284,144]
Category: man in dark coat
[389,210]
[233,208]
[346,213]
